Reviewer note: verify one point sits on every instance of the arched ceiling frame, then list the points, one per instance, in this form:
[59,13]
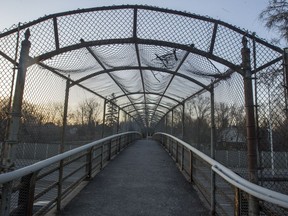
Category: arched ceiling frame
[136,39]
[129,105]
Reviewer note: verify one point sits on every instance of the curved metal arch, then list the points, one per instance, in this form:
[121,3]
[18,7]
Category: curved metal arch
[123,107]
[143,109]
[187,48]
[143,68]
[151,93]
[151,119]
[135,8]
[134,39]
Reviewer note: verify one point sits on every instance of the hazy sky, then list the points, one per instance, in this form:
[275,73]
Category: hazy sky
[241,13]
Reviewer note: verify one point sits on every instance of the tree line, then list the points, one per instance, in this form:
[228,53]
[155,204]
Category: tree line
[230,125]
[43,122]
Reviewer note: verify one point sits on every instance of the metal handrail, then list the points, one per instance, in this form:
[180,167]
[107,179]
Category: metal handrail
[10,176]
[235,180]
[29,177]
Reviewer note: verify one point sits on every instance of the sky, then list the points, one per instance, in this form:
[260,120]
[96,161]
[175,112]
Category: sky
[241,13]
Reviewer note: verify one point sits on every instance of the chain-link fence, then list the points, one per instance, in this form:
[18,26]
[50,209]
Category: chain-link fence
[100,71]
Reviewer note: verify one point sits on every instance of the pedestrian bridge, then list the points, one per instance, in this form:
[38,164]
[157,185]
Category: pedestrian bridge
[143,180]
[79,87]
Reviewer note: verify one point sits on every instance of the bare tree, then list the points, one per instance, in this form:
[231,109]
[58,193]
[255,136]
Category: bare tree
[87,112]
[199,109]
[275,16]
[54,113]
[112,111]
[222,115]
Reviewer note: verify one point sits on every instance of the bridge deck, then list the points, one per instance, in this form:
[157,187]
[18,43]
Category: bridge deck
[142,180]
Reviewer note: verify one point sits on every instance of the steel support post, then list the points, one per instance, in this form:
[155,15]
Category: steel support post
[89,159]
[250,124]
[103,120]
[65,112]
[102,157]
[172,125]
[183,121]
[109,150]
[212,149]
[26,195]
[6,194]
[125,119]
[119,144]
[166,123]
[191,166]
[61,150]
[118,119]
[237,199]
[182,158]
[176,154]
[285,67]
[9,148]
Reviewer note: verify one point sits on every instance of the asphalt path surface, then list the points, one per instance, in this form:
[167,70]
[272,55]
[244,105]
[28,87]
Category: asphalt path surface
[142,180]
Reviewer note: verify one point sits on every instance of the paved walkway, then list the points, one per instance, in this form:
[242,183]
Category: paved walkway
[142,180]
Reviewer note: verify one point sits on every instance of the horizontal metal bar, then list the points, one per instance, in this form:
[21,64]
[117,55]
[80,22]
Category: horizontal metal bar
[10,176]
[44,208]
[70,187]
[46,190]
[42,175]
[235,180]
[74,171]
[250,188]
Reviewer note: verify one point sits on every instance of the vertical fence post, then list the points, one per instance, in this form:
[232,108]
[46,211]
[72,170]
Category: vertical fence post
[172,123]
[125,119]
[237,199]
[9,148]
[169,145]
[102,156]
[250,124]
[183,121]
[176,154]
[212,149]
[103,120]
[61,150]
[166,123]
[26,195]
[109,149]
[89,159]
[182,158]
[285,65]
[6,198]
[119,143]
[118,121]
[191,166]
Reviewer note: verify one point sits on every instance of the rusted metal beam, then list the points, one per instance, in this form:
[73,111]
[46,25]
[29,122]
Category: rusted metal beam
[150,103]
[8,153]
[213,38]
[139,62]
[152,93]
[285,67]
[138,41]
[56,34]
[143,68]
[252,143]
[149,8]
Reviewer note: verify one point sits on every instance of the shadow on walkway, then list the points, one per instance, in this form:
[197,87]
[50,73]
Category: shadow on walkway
[142,180]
